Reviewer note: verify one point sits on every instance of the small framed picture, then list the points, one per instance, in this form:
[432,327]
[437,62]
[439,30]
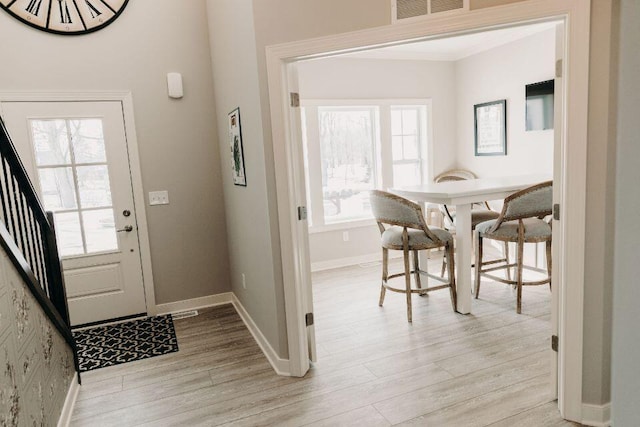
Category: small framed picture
[237,152]
[491,128]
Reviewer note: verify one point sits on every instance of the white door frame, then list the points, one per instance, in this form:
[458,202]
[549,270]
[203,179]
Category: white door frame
[571,180]
[126,99]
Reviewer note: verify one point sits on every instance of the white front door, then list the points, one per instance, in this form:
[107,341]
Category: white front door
[77,158]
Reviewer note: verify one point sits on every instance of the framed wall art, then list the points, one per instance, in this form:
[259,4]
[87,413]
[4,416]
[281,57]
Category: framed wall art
[490,121]
[237,152]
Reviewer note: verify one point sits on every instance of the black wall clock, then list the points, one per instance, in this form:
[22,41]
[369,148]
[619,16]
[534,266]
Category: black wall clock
[68,17]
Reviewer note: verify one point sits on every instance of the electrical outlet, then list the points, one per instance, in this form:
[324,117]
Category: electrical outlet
[158,198]
[244,282]
[345,236]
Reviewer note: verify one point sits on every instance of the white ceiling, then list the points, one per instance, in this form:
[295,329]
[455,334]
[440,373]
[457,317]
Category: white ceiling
[453,48]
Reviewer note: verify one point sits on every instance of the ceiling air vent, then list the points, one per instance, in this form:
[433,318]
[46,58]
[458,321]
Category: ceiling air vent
[404,9]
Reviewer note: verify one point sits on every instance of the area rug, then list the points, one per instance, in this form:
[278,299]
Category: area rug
[125,342]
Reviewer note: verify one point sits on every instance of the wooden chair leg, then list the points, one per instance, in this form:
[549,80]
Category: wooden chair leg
[416,269]
[506,257]
[478,268]
[452,276]
[407,277]
[385,274]
[519,269]
[444,263]
[549,264]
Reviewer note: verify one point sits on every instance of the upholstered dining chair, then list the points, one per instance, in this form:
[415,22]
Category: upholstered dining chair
[403,228]
[481,214]
[521,221]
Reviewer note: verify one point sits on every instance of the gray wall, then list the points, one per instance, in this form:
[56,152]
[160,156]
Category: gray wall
[625,375]
[36,364]
[177,138]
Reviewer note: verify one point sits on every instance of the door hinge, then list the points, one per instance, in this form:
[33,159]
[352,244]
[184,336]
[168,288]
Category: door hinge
[308,319]
[302,213]
[554,343]
[295,99]
[556,212]
[559,68]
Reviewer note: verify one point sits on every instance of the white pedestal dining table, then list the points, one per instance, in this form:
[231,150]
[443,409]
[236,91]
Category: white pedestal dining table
[462,195]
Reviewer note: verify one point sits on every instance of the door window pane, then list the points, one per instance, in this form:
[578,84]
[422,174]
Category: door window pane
[94,187]
[50,142]
[347,155]
[58,189]
[88,227]
[100,230]
[406,140]
[69,234]
[88,141]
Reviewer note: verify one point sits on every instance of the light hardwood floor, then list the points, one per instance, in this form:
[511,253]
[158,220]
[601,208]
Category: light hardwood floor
[374,369]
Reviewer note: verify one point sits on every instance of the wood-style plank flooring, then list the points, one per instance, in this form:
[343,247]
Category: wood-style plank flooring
[374,369]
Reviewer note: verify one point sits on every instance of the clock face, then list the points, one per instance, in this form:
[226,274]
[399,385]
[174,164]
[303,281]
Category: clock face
[71,17]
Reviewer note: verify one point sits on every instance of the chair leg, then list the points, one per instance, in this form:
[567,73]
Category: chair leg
[385,274]
[444,263]
[452,276]
[549,262]
[478,268]
[416,269]
[519,273]
[407,277]
[506,257]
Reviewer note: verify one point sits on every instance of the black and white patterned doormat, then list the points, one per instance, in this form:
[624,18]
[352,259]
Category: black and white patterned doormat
[125,342]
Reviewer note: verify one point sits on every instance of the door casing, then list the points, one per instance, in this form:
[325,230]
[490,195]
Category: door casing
[571,181]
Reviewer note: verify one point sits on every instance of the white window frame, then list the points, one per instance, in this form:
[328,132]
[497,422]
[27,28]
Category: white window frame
[382,146]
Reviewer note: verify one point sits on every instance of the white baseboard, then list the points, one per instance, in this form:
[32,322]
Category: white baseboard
[596,415]
[194,304]
[281,366]
[69,402]
[354,260]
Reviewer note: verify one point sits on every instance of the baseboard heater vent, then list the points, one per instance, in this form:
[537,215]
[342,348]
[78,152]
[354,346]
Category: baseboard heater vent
[184,314]
[404,9]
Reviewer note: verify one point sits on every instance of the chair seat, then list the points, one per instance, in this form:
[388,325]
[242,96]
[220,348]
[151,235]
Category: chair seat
[535,230]
[392,238]
[478,216]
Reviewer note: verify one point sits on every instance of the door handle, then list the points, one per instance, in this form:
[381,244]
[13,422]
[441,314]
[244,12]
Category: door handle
[126,229]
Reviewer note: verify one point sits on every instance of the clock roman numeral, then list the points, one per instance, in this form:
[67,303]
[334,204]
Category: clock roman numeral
[94,11]
[65,16]
[34,7]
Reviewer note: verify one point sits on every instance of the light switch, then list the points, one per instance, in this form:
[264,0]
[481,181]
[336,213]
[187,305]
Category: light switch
[158,198]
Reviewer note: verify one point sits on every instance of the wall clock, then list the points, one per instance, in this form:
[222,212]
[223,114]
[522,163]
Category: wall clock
[68,17]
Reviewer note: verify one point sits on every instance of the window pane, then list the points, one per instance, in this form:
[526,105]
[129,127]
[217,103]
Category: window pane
[88,141]
[406,174]
[100,230]
[396,146]
[410,147]
[396,122]
[410,121]
[93,183]
[69,235]
[347,156]
[58,191]
[50,141]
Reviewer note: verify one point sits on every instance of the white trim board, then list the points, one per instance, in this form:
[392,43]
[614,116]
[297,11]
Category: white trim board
[280,61]
[349,261]
[596,415]
[69,402]
[194,303]
[281,366]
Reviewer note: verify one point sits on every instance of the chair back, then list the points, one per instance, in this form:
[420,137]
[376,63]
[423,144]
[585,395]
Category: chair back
[455,175]
[534,201]
[395,210]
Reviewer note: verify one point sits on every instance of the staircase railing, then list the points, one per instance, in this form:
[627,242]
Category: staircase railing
[27,234]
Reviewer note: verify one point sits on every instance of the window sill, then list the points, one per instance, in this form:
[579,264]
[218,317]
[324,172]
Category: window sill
[342,226]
